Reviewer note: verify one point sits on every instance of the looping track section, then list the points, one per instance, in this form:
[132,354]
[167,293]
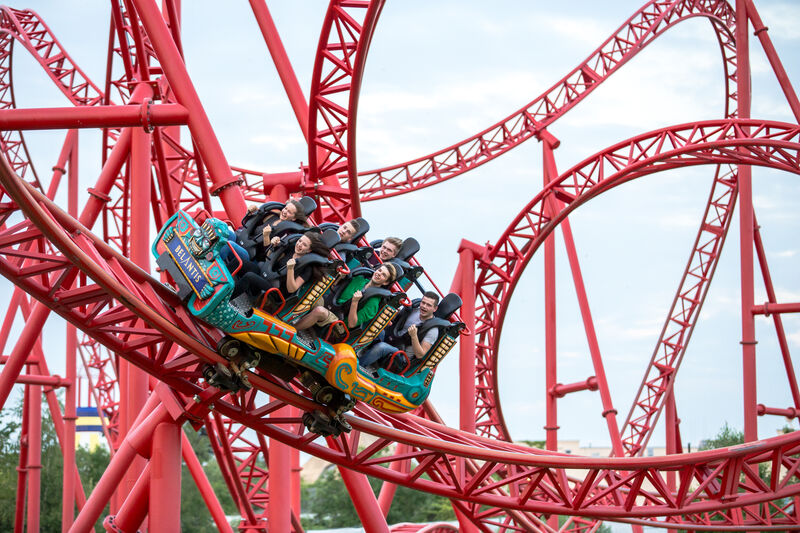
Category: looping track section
[134,315]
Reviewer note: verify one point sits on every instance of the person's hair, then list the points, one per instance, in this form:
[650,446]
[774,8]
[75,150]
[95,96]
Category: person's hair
[393,271]
[300,213]
[317,244]
[397,242]
[356,225]
[433,296]
[317,247]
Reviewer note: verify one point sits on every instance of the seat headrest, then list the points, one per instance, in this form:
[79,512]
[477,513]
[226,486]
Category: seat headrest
[330,238]
[408,249]
[367,271]
[269,206]
[287,226]
[327,225]
[308,203]
[363,229]
[448,305]
[307,259]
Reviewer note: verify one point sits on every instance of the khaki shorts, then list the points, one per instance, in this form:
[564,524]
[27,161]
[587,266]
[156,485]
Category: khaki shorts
[330,318]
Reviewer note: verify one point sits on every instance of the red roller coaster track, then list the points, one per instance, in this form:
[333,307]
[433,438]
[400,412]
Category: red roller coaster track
[143,353]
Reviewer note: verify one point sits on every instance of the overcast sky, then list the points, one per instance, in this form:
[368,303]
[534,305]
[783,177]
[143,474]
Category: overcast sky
[439,72]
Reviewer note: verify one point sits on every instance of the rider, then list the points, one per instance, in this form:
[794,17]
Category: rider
[354,291]
[257,280]
[409,341]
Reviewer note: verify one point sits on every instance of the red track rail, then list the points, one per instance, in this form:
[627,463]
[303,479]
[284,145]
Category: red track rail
[135,316]
[341,55]
[641,29]
[631,38]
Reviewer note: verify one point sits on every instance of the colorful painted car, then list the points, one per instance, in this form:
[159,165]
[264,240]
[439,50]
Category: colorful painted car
[190,254]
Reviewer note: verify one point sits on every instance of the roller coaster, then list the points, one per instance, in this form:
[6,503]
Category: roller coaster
[147,354]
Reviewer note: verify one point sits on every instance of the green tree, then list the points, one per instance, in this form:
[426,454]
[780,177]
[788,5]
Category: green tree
[90,463]
[327,504]
[727,436]
[194,513]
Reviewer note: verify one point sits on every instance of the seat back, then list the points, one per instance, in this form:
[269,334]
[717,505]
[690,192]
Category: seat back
[408,249]
[448,335]
[309,205]
[304,300]
[363,226]
[330,238]
[448,305]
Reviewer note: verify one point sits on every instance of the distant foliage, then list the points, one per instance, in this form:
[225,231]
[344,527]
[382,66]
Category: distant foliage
[327,504]
[91,464]
[727,436]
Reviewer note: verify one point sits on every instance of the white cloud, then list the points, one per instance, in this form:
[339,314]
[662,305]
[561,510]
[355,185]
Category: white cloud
[785,254]
[278,142]
[781,19]
[679,220]
[578,30]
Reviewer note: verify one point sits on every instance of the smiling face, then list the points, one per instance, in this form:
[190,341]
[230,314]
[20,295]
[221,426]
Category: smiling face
[382,276]
[346,231]
[302,246]
[426,308]
[289,211]
[387,251]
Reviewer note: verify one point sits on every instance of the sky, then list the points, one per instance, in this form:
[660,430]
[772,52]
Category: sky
[440,72]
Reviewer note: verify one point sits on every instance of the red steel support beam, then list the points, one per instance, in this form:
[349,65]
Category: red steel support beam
[789,412]
[288,77]
[49,381]
[70,470]
[770,308]
[363,500]
[760,31]
[22,470]
[204,486]
[776,317]
[165,479]
[34,466]
[280,497]
[466,272]
[746,234]
[134,381]
[91,211]
[145,115]
[133,510]
[559,390]
[609,413]
[550,344]
[386,495]
[199,124]
[136,442]
[295,484]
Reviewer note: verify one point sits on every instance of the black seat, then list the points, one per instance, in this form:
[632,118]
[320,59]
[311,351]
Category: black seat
[309,205]
[251,224]
[448,305]
[408,249]
[363,229]
[330,237]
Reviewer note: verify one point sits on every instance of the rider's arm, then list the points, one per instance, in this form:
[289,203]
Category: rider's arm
[420,348]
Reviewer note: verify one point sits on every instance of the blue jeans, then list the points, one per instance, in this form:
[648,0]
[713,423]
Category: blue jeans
[226,254]
[376,352]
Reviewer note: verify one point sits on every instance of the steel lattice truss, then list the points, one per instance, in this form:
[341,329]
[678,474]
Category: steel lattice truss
[85,276]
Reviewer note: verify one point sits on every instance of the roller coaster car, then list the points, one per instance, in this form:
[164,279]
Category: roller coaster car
[190,254]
